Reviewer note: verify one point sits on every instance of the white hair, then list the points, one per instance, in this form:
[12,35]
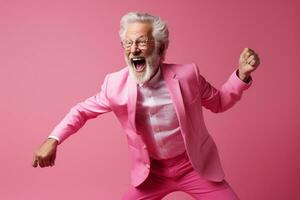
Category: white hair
[160,30]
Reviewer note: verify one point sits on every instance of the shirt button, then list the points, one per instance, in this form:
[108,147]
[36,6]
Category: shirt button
[145,147]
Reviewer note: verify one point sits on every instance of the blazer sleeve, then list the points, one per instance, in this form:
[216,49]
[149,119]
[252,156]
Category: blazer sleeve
[81,112]
[224,98]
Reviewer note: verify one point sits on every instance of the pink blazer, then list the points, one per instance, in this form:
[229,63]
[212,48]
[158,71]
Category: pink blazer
[189,92]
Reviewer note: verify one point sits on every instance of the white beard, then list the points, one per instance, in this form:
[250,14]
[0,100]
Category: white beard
[152,63]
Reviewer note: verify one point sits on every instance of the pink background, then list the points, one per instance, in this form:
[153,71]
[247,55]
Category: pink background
[54,54]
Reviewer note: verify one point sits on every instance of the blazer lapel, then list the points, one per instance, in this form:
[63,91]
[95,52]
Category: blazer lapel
[173,85]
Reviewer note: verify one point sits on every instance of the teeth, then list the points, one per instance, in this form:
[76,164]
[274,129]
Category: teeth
[137,59]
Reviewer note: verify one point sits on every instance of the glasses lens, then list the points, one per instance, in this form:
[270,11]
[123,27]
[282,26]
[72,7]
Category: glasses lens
[127,44]
[141,43]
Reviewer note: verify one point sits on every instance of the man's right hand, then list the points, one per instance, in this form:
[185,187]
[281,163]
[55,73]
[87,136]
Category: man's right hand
[45,155]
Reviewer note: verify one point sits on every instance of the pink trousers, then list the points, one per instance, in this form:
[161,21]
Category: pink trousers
[177,174]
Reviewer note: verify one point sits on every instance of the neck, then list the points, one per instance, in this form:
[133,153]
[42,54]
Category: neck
[156,70]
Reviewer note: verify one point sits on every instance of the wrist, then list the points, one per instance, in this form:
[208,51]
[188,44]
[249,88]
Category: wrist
[243,76]
[52,141]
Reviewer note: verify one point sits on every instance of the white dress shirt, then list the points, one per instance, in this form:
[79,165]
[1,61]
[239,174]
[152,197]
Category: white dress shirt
[156,119]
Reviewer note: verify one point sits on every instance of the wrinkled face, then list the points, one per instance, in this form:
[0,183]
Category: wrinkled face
[140,52]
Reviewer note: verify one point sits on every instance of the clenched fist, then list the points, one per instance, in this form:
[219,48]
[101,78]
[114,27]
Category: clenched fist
[45,155]
[249,61]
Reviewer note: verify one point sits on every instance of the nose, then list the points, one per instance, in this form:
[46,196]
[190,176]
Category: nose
[134,49]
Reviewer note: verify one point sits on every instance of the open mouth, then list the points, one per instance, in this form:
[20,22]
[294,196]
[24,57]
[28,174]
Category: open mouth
[139,63]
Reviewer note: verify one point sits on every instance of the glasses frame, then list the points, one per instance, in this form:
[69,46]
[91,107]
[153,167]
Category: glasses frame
[137,42]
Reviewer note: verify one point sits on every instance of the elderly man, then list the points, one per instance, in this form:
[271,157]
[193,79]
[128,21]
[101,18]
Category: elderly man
[159,106]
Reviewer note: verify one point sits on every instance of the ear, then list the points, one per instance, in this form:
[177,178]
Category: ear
[161,49]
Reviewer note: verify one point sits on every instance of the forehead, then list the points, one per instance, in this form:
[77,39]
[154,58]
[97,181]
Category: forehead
[138,29]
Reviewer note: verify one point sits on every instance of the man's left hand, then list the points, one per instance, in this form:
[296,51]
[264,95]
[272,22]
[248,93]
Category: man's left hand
[249,61]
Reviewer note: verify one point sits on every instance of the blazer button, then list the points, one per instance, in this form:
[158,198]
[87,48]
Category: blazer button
[148,166]
[145,147]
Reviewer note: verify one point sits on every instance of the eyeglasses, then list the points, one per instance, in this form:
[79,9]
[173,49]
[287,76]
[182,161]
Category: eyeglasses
[141,43]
